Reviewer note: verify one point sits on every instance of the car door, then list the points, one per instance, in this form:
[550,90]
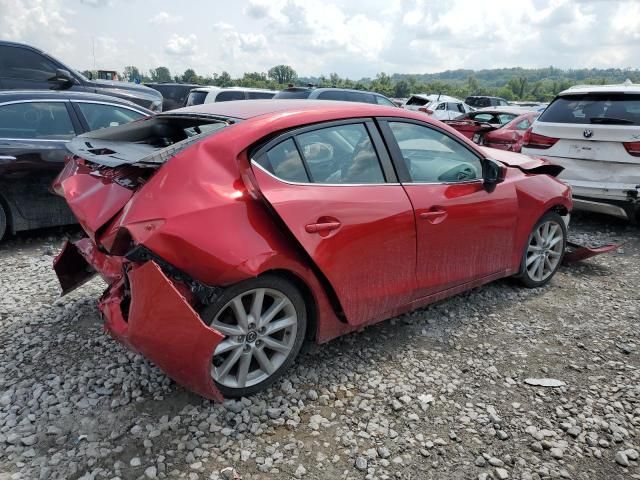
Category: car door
[23,68]
[95,115]
[464,232]
[33,137]
[334,188]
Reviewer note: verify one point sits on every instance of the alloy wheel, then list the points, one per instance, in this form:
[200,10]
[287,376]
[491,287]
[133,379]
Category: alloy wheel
[544,251]
[260,327]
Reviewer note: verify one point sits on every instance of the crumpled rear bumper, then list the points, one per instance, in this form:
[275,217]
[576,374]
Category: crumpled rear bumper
[576,253]
[144,310]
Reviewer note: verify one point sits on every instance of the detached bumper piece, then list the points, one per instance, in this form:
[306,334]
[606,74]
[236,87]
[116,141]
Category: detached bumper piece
[144,310]
[576,253]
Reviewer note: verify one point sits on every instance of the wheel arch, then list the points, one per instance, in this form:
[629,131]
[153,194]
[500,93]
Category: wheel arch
[310,302]
[9,214]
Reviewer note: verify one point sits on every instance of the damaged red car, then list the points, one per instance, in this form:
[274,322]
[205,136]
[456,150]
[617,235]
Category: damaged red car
[230,233]
[502,128]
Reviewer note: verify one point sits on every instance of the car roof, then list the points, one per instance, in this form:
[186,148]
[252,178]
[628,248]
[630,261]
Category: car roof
[626,87]
[8,43]
[213,88]
[17,95]
[485,96]
[434,97]
[246,109]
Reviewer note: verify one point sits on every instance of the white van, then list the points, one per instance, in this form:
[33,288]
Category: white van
[201,95]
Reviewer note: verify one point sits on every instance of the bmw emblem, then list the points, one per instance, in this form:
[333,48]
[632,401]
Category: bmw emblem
[587,133]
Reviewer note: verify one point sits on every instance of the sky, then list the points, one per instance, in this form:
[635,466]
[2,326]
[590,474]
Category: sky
[352,38]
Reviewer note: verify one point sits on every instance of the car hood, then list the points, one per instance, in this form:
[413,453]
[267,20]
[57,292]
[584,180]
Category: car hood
[512,159]
[128,89]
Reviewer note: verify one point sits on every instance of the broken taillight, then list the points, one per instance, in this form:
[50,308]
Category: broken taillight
[632,148]
[425,110]
[535,140]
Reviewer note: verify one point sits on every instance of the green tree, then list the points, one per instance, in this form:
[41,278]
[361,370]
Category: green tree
[401,89]
[223,80]
[160,74]
[282,74]
[132,73]
[190,76]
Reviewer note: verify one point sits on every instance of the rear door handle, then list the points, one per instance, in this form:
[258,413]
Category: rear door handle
[322,227]
[434,216]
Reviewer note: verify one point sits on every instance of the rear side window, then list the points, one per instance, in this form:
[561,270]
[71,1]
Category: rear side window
[333,95]
[229,96]
[601,108]
[101,116]
[417,101]
[342,154]
[380,100]
[36,120]
[25,64]
[284,162]
[260,95]
[196,98]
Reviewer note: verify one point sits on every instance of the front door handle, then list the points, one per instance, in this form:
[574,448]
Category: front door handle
[322,227]
[434,216]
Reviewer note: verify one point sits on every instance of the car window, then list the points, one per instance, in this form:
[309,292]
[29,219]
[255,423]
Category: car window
[293,94]
[442,106]
[25,64]
[418,101]
[39,120]
[102,116]
[196,98]
[506,117]
[484,117]
[594,108]
[284,162]
[523,124]
[259,95]
[503,103]
[434,157]
[333,95]
[342,154]
[229,96]
[380,100]
[459,107]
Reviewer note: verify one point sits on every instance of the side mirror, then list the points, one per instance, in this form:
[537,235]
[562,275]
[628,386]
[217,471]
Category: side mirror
[61,80]
[493,173]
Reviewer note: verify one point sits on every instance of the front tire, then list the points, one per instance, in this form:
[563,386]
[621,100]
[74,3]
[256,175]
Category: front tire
[544,251]
[264,321]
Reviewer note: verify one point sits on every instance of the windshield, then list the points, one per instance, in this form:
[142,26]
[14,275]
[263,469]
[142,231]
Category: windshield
[594,108]
[418,101]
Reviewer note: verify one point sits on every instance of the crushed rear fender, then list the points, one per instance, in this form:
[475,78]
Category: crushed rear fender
[576,253]
[145,311]
[162,326]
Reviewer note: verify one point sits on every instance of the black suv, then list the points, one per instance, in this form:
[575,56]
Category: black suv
[26,68]
[174,94]
[477,101]
[342,94]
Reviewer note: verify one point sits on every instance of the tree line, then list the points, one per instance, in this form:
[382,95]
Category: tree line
[540,84]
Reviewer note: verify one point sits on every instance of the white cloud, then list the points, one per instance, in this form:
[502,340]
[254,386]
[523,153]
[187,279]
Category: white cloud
[164,18]
[350,37]
[178,45]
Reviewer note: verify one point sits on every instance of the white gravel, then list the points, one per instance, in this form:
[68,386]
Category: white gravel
[439,393]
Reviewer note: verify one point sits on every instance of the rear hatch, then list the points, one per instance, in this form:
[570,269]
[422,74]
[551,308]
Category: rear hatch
[109,165]
[590,126]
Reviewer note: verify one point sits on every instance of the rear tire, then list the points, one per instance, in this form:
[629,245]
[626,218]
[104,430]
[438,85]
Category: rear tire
[3,221]
[544,251]
[264,322]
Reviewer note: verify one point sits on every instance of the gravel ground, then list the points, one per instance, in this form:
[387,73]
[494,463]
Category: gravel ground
[440,393]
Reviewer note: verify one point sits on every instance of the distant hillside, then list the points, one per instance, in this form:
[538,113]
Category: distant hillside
[511,83]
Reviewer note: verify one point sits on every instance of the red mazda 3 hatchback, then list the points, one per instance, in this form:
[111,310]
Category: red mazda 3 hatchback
[229,233]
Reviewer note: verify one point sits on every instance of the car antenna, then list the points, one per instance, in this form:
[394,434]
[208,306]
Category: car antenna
[438,99]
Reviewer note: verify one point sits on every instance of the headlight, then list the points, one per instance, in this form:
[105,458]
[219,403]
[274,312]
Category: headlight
[156,106]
